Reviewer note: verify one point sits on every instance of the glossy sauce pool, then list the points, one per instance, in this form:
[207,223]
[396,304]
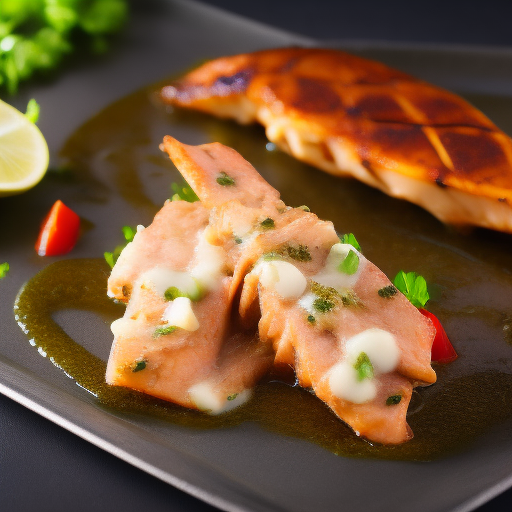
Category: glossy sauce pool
[121,177]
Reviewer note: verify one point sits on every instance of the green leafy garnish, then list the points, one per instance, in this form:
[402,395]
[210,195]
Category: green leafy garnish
[225,180]
[112,257]
[172,293]
[233,396]
[268,223]
[311,319]
[413,286]
[138,366]
[4,268]
[238,240]
[183,192]
[350,264]
[36,35]
[364,367]
[32,112]
[349,238]
[394,399]
[164,331]
[387,292]
[304,208]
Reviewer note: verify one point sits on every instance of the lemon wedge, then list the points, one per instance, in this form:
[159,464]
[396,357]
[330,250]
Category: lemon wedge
[24,153]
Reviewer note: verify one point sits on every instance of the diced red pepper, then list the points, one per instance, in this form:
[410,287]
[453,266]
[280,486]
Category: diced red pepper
[442,349]
[59,231]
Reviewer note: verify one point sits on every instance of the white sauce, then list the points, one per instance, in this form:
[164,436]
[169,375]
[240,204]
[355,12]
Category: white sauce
[209,263]
[344,384]
[179,313]
[331,276]
[381,348]
[283,277]
[160,279]
[379,345]
[207,399]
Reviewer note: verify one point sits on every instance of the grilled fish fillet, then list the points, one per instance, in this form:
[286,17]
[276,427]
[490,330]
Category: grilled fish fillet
[273,292]
[352,116]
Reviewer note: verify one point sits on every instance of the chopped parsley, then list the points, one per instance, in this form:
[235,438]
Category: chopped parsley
[323,305]
[112,257]
[232,397]
[173,293]
[4,268]
[311,319]
[139,366]
[300,253]
[413,286]
[225,180]
[350,264]
[238,240]
[393,399]
[164,331]
[363,367]
[387,292]
[349,238]
[349,298]
[268,223]
[183,192]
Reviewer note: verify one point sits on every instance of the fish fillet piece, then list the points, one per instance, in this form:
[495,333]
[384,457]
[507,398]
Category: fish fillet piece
[319,320]
[190,354]
[352,116]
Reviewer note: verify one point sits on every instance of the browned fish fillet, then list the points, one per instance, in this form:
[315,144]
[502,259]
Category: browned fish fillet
[352,116]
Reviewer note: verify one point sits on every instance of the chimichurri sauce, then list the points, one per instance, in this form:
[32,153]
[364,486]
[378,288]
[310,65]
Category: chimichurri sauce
[470,274]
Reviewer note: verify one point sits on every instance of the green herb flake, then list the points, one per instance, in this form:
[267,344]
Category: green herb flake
[164,331]
[268,223]
[112,257]
[173,293]
[323,305]
[32,113]
[413,286]
[363,367]
[183,192]
[238,240]
[350,264]
[393,399]
[311,319]
[139,366]
[387,292]
[232,397]
[4,268]
[304,208]
[349,238]
[300,253]
[225,180]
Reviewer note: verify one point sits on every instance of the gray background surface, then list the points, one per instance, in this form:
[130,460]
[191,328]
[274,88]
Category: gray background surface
[42,466]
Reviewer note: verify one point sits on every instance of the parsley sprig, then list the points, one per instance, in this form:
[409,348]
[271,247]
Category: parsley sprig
[111,257]
[413,286]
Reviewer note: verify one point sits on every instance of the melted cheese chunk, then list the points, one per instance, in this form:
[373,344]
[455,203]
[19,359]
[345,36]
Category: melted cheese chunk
[344,384]
[207,399]
[332,276]
[160,279]
[179,313]
[380,346]
[283,277]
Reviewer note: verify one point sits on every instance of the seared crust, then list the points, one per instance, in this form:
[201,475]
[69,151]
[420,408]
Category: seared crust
[349,115]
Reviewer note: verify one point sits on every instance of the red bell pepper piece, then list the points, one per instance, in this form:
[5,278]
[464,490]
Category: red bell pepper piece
[59,231]
[442,349]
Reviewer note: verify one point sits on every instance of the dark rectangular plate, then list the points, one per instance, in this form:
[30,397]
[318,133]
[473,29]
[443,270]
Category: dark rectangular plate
[244,467]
